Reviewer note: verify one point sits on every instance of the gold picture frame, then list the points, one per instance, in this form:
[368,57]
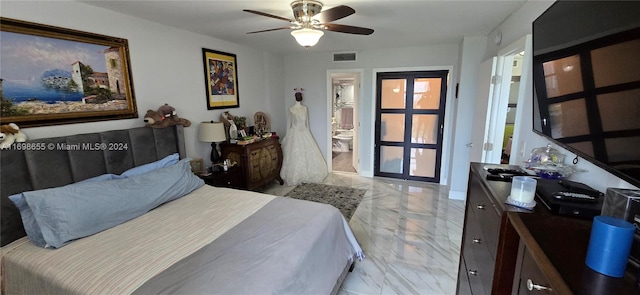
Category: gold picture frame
[220,79]
[52,75]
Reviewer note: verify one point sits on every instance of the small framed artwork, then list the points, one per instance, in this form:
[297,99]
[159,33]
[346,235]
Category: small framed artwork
[197,166]
[52,75]
[220,79]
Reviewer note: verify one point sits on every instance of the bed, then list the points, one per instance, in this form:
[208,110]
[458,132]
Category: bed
[119,212]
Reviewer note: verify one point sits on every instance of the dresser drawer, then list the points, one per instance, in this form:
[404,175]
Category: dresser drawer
[231,178]
[532,279]
[477,257]
[464,287]
[487,216]
[489,223]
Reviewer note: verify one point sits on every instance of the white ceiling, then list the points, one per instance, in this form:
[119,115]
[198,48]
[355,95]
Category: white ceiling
[396,23]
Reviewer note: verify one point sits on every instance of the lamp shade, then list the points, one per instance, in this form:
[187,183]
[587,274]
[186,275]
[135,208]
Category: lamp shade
[307,37]
[212,132]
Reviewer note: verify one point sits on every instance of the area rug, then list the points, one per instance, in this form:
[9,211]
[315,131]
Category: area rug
[346,199]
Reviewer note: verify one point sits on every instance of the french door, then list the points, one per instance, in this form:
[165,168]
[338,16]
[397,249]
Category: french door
[409,123]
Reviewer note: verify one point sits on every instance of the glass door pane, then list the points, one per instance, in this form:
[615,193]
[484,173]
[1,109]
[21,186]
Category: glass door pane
[394,94]
[426,93]
[391,159]
[423,162]
[424,129]
[392,127]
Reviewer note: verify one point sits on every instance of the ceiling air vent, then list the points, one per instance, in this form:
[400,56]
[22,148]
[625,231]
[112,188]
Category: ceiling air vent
[344,56]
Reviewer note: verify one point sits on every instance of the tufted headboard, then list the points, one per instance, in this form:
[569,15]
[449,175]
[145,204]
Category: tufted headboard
[52,162]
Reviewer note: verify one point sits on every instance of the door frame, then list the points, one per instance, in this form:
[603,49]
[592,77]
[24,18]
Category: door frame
[409,113]
[482,110]
[498,101]
[525,44]
[357,95]
[498,113]
[447,136]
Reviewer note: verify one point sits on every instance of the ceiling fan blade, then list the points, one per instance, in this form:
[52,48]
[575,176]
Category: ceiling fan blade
[334,13]
[268,15]
[269,30]
[348,29]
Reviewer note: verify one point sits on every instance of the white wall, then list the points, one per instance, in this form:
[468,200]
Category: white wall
[471,55]
[167,67]
[516,26]
[309,71]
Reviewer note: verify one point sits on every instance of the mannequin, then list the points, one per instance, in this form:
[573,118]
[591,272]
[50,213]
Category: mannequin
[302,159]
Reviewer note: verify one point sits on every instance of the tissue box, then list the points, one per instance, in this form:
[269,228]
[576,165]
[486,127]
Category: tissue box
[623,204]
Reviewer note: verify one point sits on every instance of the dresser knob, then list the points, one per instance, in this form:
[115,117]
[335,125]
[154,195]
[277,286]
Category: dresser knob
[473,272]
[481,207]
[531,286]
[477,241]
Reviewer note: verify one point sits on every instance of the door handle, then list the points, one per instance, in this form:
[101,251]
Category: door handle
[531,285]
[469,145]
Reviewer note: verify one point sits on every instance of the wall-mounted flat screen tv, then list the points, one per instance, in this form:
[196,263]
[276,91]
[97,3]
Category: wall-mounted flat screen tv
[586,69]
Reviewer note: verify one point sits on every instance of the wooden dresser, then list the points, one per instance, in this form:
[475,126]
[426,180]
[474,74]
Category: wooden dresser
[260,161]
[507,250]
[484,217]
[551,258]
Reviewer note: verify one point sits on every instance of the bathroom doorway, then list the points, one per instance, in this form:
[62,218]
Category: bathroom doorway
[344,123]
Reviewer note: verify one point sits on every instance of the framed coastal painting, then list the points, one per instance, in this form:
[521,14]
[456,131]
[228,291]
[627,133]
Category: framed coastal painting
[52,75]
[220,79]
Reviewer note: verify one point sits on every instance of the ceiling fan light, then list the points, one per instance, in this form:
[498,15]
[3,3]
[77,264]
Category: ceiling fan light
[307,37]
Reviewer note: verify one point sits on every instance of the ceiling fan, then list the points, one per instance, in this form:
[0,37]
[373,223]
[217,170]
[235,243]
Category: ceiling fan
[310,21]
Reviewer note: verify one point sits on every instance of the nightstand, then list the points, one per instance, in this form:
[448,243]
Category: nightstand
[231,178]
[260,161]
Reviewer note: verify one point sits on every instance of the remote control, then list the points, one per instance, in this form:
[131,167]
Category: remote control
[500,177]
[507,171]
[576,187]
[574,197]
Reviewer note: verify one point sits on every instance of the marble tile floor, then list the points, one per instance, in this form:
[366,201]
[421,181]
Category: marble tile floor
[410,233]
[342,162]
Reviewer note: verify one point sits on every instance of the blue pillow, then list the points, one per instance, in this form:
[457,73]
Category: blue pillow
[28,221]
[66,213]
[164,162]
[103,177]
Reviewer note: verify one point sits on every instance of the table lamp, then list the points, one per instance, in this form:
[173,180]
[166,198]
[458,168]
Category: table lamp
[212,132]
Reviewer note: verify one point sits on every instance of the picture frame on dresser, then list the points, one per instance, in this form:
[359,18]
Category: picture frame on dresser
[220,79]
[53,75]
[197,166]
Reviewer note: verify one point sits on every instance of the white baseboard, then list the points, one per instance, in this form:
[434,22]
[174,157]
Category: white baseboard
[458,195]
[365,173]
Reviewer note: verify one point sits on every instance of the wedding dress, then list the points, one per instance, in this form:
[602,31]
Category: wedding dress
[302,159]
